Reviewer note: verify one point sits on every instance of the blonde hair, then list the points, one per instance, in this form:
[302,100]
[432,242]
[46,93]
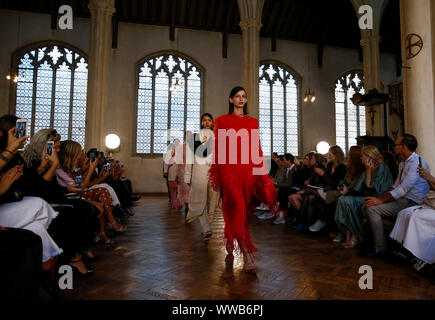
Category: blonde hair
[34,149]
[373,153]
[338,153]
[69,155]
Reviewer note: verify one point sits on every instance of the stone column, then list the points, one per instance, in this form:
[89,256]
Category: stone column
[370,47]
[418,76]
[250,14]
[99,72]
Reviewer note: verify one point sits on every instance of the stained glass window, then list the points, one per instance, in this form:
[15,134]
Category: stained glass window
[168,101]
[279,110]
[51,89]
[350,120]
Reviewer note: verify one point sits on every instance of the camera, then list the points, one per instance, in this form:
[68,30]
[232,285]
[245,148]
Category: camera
[92,155]
[21,126]
[341,185]
[79,181]
[50,147]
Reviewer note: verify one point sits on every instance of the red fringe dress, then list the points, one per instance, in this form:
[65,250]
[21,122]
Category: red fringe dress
[242,178]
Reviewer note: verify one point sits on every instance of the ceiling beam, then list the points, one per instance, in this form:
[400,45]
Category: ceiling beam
[54,14]
[226,29]
[173,9]
[320,56]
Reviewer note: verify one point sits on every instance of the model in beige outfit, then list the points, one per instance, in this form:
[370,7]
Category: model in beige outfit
[203,198]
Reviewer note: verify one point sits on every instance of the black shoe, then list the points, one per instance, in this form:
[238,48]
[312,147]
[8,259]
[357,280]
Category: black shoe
[135,197]
[118,212]
[128,212]
[88,273]
[291,220]
[374,252]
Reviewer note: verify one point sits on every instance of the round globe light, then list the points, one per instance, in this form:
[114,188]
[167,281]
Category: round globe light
[112,141]
[322,147]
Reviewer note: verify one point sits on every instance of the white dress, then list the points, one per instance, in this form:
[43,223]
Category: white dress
[203,199]
[415,230]
[32,214]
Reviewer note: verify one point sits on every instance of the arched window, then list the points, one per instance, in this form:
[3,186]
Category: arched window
[279,109]
[51,89]
[350,120]
[168,101]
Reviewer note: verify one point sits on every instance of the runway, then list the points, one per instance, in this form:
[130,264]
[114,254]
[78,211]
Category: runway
[160,257]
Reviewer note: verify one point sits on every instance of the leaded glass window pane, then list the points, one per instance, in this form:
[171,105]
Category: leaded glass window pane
[350,120]
[168,102]
[52,89]
[278,110]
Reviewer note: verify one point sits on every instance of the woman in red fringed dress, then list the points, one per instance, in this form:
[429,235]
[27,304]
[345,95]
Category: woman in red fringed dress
[239,172]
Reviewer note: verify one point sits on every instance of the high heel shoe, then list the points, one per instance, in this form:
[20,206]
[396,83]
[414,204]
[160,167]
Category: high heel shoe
[105,239]
[114,225]
[89,272]
[207,235]
[229,257]
[249,265]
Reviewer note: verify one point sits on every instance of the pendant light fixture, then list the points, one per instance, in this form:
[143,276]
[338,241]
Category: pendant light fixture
[309,97]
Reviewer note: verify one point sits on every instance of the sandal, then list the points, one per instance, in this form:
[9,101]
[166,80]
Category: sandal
[249,267]
[105,239]
[114,225]
[351,244]
[207,235]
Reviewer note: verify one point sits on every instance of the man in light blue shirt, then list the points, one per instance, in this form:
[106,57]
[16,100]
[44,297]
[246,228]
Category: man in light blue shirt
[409,190]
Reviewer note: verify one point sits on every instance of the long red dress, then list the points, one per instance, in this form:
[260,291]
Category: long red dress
[241,178]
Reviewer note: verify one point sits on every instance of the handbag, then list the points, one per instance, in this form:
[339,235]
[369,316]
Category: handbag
[12,195]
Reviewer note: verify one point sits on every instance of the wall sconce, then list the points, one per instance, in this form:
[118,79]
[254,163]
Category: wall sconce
[112,143]
[322,147]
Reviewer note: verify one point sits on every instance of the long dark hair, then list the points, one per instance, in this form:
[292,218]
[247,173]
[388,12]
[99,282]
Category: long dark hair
[6,123]
[354,166]
[231,105]
[205,115]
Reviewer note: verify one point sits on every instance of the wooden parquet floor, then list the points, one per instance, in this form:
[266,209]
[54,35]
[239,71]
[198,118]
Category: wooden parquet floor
[161,257]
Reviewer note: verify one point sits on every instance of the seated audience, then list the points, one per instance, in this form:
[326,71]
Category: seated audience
[287,187]
[409,190]
[330,178]
[302,177]
[390,159]
[415,227]
[66,229]
[375,180]
[307,198]
[69,156]
[20,268]
[354,169]
[75,228]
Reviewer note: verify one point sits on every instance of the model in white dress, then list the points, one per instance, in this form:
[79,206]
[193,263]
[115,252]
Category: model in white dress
[32,214]
[203,198]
